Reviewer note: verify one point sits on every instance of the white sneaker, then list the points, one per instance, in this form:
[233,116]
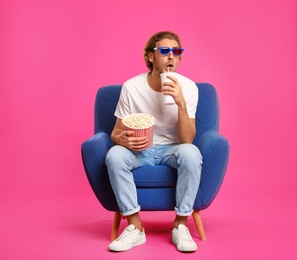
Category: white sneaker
[181,237]
[130,237]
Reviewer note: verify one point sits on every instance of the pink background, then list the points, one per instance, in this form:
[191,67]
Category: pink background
[54,55]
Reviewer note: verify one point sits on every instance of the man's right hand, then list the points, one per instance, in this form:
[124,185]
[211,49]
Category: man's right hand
[127,139]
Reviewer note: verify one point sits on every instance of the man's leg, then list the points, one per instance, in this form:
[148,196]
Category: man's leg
[187,159]
[120,162]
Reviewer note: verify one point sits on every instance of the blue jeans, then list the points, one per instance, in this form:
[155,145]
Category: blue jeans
[186,158]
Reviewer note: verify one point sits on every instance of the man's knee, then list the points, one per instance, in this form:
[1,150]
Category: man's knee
[115,154]
[189,154]
[190,151]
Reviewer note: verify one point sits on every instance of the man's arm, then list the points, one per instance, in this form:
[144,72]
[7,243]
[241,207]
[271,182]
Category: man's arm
[186,127]
[125,138]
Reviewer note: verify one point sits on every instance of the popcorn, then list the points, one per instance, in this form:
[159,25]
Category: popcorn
[139,121]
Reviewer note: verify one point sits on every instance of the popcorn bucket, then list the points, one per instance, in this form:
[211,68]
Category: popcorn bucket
[141,124]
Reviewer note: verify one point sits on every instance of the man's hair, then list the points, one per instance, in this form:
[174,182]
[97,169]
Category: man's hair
[151,44]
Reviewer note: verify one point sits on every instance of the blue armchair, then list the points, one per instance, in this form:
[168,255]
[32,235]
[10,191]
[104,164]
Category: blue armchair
[156,184]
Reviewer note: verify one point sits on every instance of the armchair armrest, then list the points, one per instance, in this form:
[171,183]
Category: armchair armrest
[93,153]
[215,151]
[97,147]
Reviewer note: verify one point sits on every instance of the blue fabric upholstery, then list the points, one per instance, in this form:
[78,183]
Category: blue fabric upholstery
[156,184]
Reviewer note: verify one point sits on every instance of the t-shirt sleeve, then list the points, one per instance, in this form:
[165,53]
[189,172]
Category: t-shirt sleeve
[123,108]
[192,100]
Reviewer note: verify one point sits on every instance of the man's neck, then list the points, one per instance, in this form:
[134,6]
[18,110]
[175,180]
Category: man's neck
[154,81]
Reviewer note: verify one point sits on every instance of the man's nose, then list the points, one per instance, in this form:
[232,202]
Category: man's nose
[170,55]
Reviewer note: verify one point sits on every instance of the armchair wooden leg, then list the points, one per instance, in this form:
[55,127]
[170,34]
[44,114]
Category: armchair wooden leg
[198,222]
[116,225]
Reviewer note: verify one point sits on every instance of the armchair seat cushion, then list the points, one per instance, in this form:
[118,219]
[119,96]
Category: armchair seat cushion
[155,177]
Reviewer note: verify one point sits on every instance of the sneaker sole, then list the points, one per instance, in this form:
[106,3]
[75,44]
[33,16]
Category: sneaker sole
[193,249]
[122,249]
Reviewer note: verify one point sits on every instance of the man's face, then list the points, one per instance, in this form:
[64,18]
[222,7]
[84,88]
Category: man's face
[165,63]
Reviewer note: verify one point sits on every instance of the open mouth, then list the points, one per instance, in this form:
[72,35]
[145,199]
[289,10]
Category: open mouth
[169,67]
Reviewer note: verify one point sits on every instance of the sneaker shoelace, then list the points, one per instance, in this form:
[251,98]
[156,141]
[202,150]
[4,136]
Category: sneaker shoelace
[127,234]
[184,235]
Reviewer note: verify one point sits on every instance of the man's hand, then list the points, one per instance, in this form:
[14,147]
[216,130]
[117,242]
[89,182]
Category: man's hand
[174,89]
[127,139]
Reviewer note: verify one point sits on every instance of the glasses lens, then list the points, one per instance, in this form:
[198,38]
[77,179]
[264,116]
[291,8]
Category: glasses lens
[177,51]
[164,50]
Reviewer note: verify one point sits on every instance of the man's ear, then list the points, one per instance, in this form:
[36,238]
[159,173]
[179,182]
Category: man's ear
[150,57]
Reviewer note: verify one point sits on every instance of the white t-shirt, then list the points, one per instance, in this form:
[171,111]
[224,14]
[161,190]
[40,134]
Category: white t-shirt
[137,97]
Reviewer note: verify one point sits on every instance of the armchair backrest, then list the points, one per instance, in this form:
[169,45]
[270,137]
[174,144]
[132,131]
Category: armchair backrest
[207,114]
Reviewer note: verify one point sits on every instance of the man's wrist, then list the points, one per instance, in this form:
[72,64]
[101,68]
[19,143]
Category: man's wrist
[182,105]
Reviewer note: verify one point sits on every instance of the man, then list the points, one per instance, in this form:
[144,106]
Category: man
[174,132]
